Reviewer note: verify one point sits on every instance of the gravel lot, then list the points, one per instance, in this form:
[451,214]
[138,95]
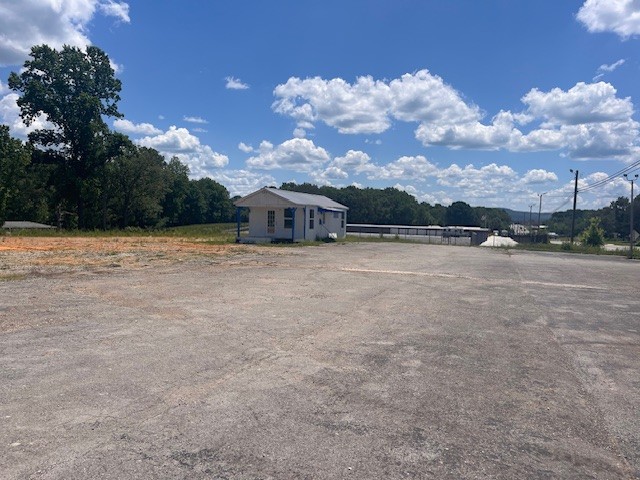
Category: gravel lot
[341,361]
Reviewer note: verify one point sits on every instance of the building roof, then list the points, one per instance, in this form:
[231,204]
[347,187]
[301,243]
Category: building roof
[294,198]
[24,225]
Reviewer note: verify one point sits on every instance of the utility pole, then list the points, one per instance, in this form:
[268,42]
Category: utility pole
[530,224]
[539,213]
[631,231]
[575,199]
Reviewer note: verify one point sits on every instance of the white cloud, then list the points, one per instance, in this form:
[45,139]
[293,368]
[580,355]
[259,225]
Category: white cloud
[179,142]
[299,132]
[618,16]
[612,67]
[56,23]
[297,154]
[423,97]
[500,133]
[353,161]
[489,183]
[235,84]
[199,120]
[415,168]
[358,108]
[410,189]
[539,175]
[112,8]
[10,116]
[604,69]
[245,148]
[583,103]
[117,67]
[585,121]
[127,126]
[368,105]
[242,182]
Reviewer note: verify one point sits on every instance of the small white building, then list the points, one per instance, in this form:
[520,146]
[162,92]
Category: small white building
[282,215]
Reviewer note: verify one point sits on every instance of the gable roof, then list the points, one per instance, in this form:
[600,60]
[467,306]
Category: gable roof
[294,198]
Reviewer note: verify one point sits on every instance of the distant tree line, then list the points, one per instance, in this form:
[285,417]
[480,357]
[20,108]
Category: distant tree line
[613,219]
[75,171]
[391,206]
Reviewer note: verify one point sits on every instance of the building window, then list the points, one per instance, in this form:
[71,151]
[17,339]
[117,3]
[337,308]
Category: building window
[271,221]
[288,217]
[312,216]
[341,219]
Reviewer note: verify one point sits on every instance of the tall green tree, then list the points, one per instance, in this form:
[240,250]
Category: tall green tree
[138,187]
[461,214]
[14,159]
[25,193]
[74,90]
[174,203]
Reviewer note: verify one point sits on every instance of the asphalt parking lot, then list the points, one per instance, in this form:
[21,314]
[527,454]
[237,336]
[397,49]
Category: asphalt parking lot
[341,361]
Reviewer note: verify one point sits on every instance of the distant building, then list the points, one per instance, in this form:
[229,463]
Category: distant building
[282,215]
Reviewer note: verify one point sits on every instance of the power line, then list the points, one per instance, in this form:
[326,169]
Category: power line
[568,199]
[612,177]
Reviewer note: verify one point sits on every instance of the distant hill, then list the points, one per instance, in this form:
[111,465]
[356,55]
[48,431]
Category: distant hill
[523,217]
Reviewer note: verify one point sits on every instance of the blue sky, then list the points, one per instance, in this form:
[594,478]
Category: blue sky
[487,102]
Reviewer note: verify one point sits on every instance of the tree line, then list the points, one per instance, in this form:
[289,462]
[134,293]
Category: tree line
[613,219]
[74,171]
[391,206]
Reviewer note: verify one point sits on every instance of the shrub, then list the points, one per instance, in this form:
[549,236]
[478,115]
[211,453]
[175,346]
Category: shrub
[593,236]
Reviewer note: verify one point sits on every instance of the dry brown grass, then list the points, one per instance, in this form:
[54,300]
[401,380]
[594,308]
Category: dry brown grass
[20,255]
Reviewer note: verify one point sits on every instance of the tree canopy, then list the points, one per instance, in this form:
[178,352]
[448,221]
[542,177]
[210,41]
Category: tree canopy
[73,90]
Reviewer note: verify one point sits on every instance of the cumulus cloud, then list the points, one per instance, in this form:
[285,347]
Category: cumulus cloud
[127,126]
[299,132]
[10,116]
[242,182]
[369,106]
[179,142]
[538,175]
[500,133]
[581,104]
[618,16]
[235,84]
[56,23]
[588,120]
[354,161]
[358,108]
[245,148]
[406,167]
[297,154]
